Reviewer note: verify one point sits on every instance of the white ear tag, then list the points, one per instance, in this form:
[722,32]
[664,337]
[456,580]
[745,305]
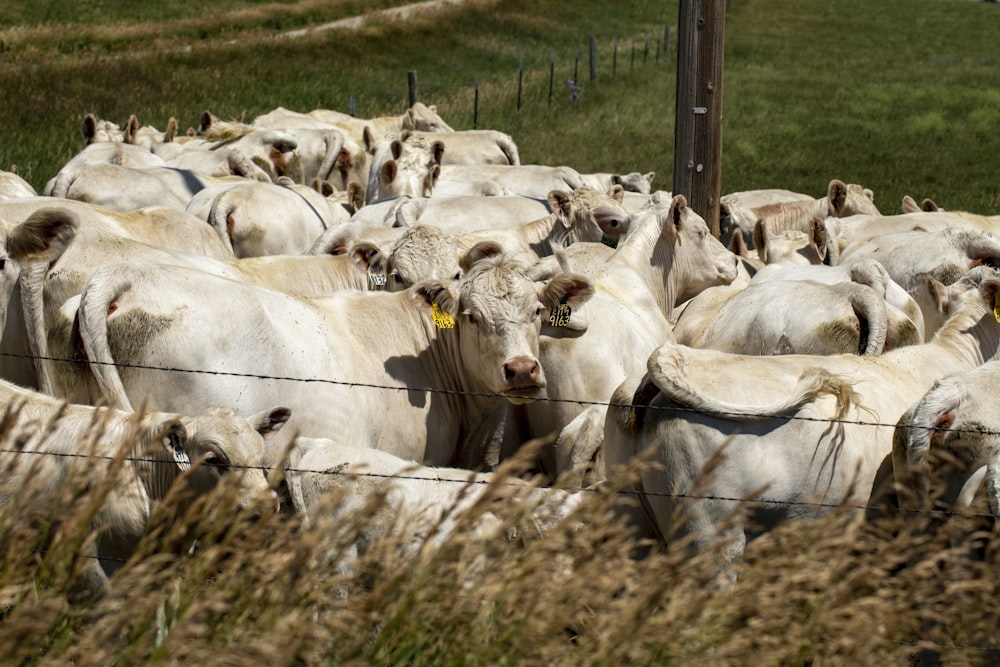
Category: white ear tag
[377,279]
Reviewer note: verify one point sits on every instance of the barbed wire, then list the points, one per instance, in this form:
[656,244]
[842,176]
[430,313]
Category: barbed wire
[514,482]
[487,394]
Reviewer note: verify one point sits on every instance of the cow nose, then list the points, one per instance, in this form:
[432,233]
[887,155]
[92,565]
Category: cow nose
[522,371]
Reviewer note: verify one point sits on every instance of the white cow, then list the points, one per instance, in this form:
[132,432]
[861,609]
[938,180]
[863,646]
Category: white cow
[525,180]
[141,456]
[460,215]
[125,189]
[668,256]
[840,200]
[12,186]
[946,446]
[794,434]
[274,151]
[418,508]
[630,182]
[855,230]
[392,371]
[404,166]
[910,257]
[420,117]
[255,219]
[46,284]
[473,146]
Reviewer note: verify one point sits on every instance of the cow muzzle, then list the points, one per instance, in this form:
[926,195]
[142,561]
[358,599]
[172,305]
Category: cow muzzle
[612,222]
[522,378]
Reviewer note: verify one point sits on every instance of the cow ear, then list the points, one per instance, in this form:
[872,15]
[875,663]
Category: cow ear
[617,193]
[760,240]
[388,172]
[269,422]
[367,257]
[818,237]
[910,205]
[678,205]
[649,176]
[437,152]
[560,202]
[369,139]
[131,127]
[938,292]
[930,206]
[436,293]
[478,252]
[738,245]
[567,288]
[206,122]
[174,441]
[409,120]
[396,148]
[89,129]
[355,197]
[44,236]
[837,195]
[171,132]
[990,289]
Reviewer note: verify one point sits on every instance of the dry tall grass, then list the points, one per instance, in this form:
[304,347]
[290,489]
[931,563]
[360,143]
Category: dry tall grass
[272,589]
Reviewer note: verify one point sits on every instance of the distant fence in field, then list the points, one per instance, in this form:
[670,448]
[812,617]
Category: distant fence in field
[652,47]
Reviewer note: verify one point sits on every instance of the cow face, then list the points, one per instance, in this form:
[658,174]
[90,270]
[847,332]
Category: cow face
[232,450]
[589,215]
[498,311]
[421,254]
[700,259]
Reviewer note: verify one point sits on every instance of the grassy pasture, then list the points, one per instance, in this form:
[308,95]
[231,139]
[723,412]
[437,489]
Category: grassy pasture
[899,96]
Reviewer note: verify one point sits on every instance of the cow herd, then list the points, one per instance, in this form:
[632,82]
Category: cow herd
[325,297]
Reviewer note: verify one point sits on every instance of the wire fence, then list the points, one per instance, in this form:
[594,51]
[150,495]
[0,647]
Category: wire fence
[433,478]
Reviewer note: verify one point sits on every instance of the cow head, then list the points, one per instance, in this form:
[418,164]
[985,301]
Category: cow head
[422,253]
[946,443]
[589,215]
[496,310]
[221,447]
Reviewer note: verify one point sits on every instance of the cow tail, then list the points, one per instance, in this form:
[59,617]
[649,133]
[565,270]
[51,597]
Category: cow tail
[62,182]
[96,300]
[870,310]
[333,147]
[219,216]
[509,149]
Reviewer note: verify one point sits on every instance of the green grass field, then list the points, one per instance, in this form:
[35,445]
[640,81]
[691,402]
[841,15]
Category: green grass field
[899,96]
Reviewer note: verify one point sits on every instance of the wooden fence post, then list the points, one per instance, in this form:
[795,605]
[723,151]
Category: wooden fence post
[411,84]
[698,116]
[552,77]
[475,105]
[593,59]
[520,82]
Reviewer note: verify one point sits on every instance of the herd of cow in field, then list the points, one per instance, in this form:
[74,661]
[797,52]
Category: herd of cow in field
[325,297]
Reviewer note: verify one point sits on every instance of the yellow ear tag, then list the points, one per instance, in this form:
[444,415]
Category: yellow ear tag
[442,319]
[559,316]
[996,306]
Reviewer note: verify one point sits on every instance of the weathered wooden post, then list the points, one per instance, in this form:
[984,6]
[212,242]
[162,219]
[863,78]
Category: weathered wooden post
[698,121]
[411,84]
[552,77]
[520,82]
[593,59]
[475,105]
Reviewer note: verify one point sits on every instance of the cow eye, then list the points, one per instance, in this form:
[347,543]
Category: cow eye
[539,311]
[472,319]
[216,463]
